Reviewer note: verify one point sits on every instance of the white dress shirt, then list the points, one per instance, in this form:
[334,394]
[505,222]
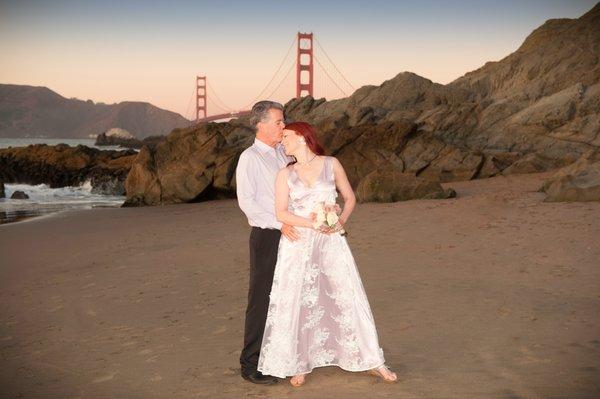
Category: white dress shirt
[255,183]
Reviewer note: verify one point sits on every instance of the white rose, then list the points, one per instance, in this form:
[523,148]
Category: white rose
[332,219]
[321,217]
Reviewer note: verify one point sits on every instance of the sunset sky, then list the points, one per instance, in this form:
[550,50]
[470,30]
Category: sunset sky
[113,51]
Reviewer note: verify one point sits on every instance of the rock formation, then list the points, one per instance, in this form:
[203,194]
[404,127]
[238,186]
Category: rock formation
[537,109]
[104,139]
[579,181]
[61,165]
[191,164]
[391,186]
[19,195]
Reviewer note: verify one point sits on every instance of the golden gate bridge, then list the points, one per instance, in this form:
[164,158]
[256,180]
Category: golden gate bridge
[305,61]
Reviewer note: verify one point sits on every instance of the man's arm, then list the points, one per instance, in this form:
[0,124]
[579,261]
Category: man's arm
[246,194]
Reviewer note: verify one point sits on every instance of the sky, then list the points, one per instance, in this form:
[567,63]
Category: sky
[112,51]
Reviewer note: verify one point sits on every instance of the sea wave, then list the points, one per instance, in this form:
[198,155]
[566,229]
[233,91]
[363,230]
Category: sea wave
[44,200]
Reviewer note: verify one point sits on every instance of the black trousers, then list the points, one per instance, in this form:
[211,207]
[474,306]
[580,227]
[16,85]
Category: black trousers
[264,244]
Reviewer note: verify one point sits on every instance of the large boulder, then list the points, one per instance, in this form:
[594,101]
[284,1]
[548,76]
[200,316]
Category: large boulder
[19,195]
[535,163]
[391,186]
[362,149]
[190,165]
[431,158]
[579,181]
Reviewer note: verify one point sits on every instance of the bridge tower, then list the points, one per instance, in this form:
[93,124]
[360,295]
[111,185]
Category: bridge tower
[200,97]
[304,62]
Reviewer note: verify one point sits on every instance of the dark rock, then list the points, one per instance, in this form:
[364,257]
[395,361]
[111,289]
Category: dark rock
[362,149]
[391,186]
[104,140]
[534,111]
[535,163]
[494,163]
[60,166]
[2,193]
[19,195]
[142,184]
[190,165]
[579,181]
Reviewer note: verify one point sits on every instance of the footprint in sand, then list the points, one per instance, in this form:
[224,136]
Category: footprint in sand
[220,330]
[503,311]
[105,377]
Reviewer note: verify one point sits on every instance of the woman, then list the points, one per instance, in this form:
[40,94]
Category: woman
[318,313]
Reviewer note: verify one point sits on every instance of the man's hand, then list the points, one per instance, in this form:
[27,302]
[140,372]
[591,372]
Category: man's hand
[290,232]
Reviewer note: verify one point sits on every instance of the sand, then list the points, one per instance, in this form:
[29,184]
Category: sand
[494,294]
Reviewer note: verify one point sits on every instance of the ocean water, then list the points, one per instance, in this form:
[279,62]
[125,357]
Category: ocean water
[24,142]
[44,200]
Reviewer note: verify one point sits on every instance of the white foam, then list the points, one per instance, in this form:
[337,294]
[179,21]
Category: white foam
[44,200]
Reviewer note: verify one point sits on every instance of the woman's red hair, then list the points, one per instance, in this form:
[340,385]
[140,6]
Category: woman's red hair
[308,132]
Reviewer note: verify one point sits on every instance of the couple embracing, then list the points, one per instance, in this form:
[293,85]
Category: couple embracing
[307,306]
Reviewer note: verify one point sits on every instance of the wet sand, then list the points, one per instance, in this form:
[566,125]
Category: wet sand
[494,294]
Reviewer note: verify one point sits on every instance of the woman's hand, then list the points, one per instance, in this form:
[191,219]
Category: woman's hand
[334,229]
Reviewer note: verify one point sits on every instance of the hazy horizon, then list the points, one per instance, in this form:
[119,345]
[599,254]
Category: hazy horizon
[111,52]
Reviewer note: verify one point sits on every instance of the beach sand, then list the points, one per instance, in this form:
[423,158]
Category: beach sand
[494,294]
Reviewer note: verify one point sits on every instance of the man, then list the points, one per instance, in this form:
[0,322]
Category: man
[255,181]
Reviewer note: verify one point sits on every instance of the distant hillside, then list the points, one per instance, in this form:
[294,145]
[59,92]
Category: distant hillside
[29,111]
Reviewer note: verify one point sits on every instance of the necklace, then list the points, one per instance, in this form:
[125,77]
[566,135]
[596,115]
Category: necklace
[306,163]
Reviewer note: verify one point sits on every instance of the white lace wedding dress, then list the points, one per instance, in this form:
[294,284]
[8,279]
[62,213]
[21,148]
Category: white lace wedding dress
[318,313]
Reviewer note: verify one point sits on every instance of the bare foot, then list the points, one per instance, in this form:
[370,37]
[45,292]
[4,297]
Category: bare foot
[297,380]
[384,373]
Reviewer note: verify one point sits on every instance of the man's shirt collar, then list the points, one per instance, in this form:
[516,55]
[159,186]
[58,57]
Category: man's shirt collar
[263,147]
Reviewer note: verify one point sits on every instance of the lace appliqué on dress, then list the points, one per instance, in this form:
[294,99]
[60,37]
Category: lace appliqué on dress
[318,312]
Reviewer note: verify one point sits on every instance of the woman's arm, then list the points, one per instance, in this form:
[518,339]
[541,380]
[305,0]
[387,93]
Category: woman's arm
[282,192]
[345,189]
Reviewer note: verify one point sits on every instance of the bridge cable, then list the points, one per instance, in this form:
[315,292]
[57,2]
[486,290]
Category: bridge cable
[282,80]
[217,107]
[224,106]
[329,76]
[187,111]
[332,63]
[273,77]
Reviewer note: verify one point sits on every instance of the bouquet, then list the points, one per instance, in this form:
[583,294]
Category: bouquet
[326,216]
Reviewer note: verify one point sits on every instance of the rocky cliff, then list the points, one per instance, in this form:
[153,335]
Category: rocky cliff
[536,110]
